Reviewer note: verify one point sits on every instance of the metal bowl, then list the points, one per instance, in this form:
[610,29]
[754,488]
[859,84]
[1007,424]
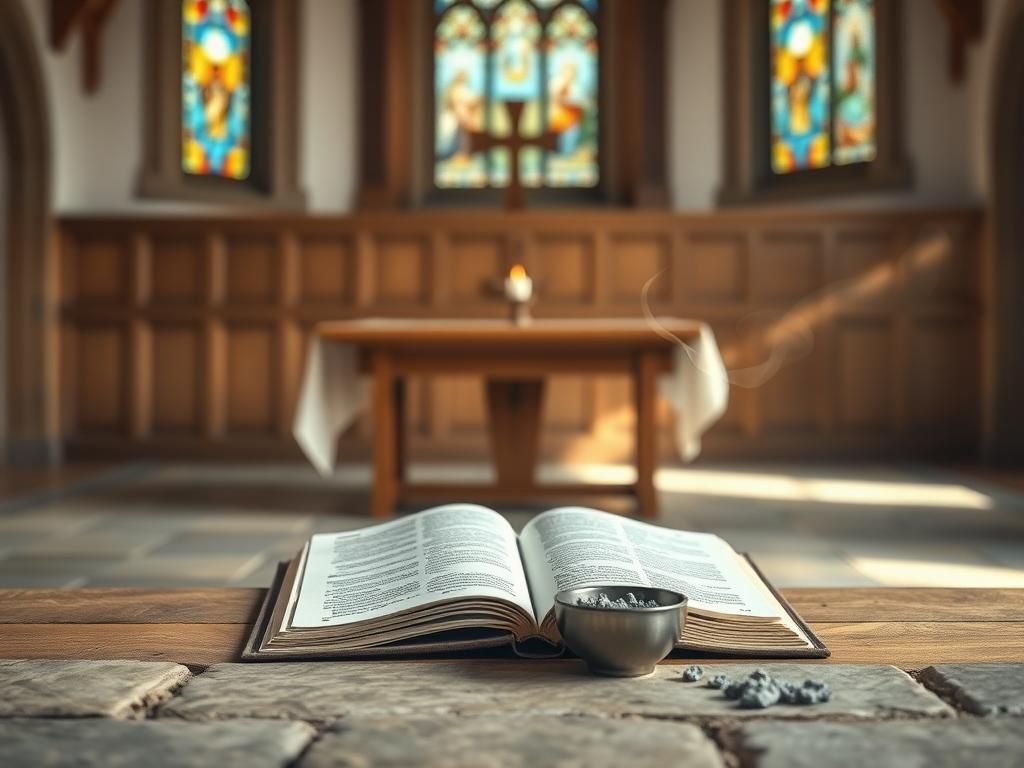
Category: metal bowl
[621,642]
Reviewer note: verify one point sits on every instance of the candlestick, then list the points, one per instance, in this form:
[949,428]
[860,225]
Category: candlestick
[518,285]
[519,292]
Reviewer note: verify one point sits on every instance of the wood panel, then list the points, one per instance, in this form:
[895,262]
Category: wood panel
[177,272]
[105,279]
[101,371]
[402,271]
[327,272]
[187,336]
[177,380]
[565,267]
[864,352]
[252,372]
[252,277]
[476,266]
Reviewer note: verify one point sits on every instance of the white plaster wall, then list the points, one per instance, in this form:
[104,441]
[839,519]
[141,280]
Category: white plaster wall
[98,138]
[329,98]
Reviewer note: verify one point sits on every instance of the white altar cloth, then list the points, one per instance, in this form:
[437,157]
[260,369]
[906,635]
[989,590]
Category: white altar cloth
[334,393]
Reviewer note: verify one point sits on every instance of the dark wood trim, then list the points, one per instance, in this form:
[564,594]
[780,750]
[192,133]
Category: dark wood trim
[748,177]
[966,19]
[397,102]
[275,107]
[31,408]
[1005,417]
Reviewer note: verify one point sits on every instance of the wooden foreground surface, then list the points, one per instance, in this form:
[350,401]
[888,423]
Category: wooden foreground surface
[909,628]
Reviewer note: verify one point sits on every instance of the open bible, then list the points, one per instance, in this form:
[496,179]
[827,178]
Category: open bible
[458,577]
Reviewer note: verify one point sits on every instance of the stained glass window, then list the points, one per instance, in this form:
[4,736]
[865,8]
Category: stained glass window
[823,80]
[540,53]
[215,88]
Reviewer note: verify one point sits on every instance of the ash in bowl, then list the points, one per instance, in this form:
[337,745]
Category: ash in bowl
[603,601]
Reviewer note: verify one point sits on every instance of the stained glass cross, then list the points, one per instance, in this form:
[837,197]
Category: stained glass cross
[481,142]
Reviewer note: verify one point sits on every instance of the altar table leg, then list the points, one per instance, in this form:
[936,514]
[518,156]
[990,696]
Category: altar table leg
[645,374]
[385,428]
[514,411]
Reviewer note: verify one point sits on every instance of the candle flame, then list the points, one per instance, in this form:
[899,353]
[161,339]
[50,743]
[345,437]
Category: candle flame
[518,272]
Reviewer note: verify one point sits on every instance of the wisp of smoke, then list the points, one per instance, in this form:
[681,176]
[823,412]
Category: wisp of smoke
[788,335]
[789,339]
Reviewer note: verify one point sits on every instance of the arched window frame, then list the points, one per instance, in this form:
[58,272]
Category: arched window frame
[396,111]
[748,175]
[273,178]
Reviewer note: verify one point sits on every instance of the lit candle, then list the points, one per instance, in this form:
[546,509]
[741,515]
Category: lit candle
[518,285]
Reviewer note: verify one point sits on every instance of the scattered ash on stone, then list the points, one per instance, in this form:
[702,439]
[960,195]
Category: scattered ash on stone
[718,682]
[693,673]
[760,691]
[603,601]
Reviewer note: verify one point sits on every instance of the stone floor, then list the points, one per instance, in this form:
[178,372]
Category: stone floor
[806,525]
[497,713]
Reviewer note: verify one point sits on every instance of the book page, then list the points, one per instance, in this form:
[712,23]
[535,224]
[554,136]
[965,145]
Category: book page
[454,551]
[574,547]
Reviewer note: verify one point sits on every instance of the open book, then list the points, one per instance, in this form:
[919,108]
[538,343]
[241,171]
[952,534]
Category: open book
[458,577]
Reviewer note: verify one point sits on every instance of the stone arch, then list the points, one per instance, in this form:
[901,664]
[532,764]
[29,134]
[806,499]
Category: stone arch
[30,365]
[1006,445]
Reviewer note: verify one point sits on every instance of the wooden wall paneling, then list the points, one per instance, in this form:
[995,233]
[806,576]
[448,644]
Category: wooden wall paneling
[788,266]
[327,272]
[366,271]
[253,370]
[864,371]
[103,269]
[635,260]
[140,341]
[195,329]
[69,380]
[820,331]
[403,272]
[215,394]
[566,269]
[101,378]
[178,277]
[215,338]
[865,269]
[177,380]
[471,267]
[252,271]
[902,330]
[714,267]
[944,351]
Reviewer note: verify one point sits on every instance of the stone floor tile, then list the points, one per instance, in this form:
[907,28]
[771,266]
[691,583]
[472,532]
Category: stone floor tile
[49,520]
[896,744]
[123,544]
[318,691]
[530,741]
[982,689]
[66,688]
[806,569]
[63,580]
[216,543]
[226,521]
[168,744]
[262,576]
[185,570]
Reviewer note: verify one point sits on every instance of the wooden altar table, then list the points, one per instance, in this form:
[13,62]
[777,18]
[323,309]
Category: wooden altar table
[908,628]
[514,361]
